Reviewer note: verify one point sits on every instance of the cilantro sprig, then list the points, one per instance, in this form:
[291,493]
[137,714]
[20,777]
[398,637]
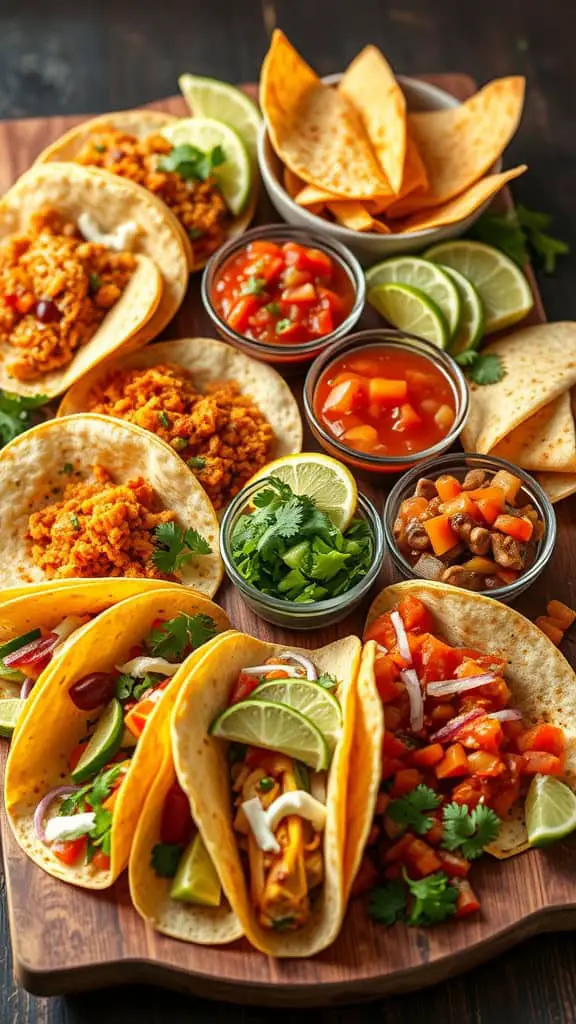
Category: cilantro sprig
[176,546]
[165,858]
[469,832]
[181,635]
[191,163]
[15,415]
[521,234]
[411,810]
[481,367]
[420,903]
[94,794]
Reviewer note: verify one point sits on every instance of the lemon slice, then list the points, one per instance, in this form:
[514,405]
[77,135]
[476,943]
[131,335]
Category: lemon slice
[427,277]
[471,327]
[550,810]
[309,699]
[410,310]
[234,175]
[503,288]
[10,711]
[261,723]
[325,479]
[196,880]
[208,97]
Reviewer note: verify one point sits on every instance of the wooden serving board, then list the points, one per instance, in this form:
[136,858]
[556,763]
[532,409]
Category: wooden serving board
[66,939]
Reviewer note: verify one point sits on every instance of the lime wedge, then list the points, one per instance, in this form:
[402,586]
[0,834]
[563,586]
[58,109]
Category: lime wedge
[410,310]
[196,880]
[505,292]
[310,700]
[550,810]
[261,723]
[471,329]
[207,97]
[421,274]
[328,481]
[234,176]
[10,711]
[104,742]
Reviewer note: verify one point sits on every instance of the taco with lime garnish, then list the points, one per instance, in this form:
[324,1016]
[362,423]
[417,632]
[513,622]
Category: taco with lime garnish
[77,777]
[90,496]
[261,739]
[198,169]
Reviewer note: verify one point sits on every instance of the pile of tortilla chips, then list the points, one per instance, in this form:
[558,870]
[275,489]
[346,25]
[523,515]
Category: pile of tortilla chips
[354,154]
[528,416]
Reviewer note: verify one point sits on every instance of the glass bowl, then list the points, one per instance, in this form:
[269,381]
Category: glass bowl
[389,338]
[457,464]
[291,614]
[286,354]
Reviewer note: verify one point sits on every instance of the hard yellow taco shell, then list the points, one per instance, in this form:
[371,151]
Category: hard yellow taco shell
[38,760]
[123,587]
[202,770]
[31,469]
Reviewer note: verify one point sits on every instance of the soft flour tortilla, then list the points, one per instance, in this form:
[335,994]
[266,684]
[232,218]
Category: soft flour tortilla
[38,759]
[151,894]
[141,123]
[31,467]
[557,485]
[111,200]
[546,441]
[208,361]
[202,770]
[542,682]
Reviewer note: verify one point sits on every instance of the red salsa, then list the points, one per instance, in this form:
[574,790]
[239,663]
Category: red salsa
[283,293]
[383,401]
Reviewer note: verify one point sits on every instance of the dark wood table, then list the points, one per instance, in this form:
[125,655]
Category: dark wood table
[69,56]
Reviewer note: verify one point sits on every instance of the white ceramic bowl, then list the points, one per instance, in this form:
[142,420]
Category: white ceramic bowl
[368,246]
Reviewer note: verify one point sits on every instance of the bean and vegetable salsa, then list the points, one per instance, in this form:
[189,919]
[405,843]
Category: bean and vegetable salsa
[282,293]
[383,401]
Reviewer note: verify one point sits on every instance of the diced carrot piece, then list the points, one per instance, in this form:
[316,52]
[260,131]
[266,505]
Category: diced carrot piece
[514,526]
[423,858]
[405,780]
[490,502]
[441,534]
[482,734]
[462,503]
[386,391]
[454,864]
[467,902]
[481,565]
[364,437]
[442,713]
[408,418]
[471,792]
[448,487]
[455,763]
[537,762]
[435,835]
[428,756]
[485,765]
[552,632]
[344,397]
[413,507]
[508,483]
[389,688]
[395,714]
[415,614]
[549,738]
[560,611]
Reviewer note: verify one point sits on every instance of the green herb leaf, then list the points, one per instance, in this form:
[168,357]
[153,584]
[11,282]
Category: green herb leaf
[165,858]
[177,546]
[74,520]
[487,369]
[95,282]
[467,358]
[283,325]
[99,147]
[410,810]
[15,414]
[253,286]
[124,686]
[274,308]
[163,419]
[469,832]
[195,233]
[328,681]
[519,234]
[434,899]
[196,462]
[388,902]
[180,636]
[67,468]
[191,163]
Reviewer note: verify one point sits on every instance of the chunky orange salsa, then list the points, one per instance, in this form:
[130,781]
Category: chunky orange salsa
[383,401]
[282,294]
[459,737]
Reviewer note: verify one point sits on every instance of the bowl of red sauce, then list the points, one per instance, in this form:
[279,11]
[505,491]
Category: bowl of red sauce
[282,294]
[383,400]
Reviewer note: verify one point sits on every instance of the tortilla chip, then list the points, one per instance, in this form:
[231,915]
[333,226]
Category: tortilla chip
[460,144]
[314,129]
[371,86]
[354,216]
[546,441]
[310,195]
[31,467]
[460,207]
[415,177]
[292,183]
[557,485]
[540,364]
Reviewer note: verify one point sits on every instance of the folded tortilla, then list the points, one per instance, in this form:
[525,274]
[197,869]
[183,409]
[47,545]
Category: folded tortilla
[203,773]
[39,757]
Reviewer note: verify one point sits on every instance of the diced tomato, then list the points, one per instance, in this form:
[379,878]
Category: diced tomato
[241,312]
[471,792]
[482,734]
[485,765]
[408,418]
[382,631]
[322,323]
[388,686]
[514,526]
[467,902]
[70,851]
[393,871]
[448,487]
[454,763]
[549,738]
[77,754]
[454,864]
[441,714]
[392,746]
[261,247]
[101,861]
[363,438]
[435,835]
[537,762]
[415,615]
[176,822]
[405,780]
[331,301]
[347,395]
[301,295]
[318,262]
[427,757]
[506,793]
[398,712]
[398,850]
[366,877]
[243,687]
[270,269]
[435,659]
[391,765]
[422,858]
[255,756]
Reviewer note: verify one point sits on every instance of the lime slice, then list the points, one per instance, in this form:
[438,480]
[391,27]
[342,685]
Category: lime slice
[310,700]
[421,274]
[505,292]
[234,176]
[10,711]
[196,880]
[207,97]
[104,742]
[410,310]
[550,810]
[261,723]
[328,481]
[471,327]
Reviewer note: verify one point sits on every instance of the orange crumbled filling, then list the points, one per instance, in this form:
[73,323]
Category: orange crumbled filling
[55,290]
[198,205]
[221,430]
[98,529]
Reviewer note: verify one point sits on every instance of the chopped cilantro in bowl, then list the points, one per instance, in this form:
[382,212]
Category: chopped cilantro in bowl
[290,562]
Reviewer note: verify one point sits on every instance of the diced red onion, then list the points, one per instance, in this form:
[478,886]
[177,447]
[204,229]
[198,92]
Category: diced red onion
[300,659]
[506,715]
[45,804]
[26,688]
[444,687]
[32,653]
[401,636]
[448,731]
[412,684]
[262,670]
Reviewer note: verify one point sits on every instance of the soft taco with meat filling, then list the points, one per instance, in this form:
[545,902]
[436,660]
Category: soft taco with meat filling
[88,264]
[89,496]
[225,414]
[261,739]
[77,777]
[132,144]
